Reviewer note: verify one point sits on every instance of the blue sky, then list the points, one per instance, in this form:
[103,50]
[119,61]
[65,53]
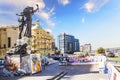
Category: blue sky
[91,21]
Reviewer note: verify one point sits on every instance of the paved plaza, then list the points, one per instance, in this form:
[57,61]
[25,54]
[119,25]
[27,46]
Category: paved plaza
[81,72]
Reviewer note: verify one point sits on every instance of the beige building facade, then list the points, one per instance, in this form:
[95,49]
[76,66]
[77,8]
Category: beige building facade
[8,38]
[42,41]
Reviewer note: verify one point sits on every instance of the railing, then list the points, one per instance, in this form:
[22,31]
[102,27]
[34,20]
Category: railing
[114,62]
[58,76]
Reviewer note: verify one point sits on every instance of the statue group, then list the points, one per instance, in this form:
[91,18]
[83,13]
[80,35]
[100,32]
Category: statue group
[25,19]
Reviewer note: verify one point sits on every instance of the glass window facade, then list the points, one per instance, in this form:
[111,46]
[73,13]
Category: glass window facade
[67,42]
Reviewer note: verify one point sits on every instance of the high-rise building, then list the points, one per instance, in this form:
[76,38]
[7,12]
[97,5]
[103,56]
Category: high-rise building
[42,41]
[67,43]
[77,44]
[8,38]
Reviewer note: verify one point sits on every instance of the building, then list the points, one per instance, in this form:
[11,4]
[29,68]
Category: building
[115,50]
[85,48]
[81,48]
[42,41]
[77,45]
[8,38]
[67,43]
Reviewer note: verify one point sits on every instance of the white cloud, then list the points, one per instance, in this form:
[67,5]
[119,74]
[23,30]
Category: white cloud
[49,30]
[64,2]
[19,5]
[24,3]
[46,16]
[50,23]
[94,5]
[83,20]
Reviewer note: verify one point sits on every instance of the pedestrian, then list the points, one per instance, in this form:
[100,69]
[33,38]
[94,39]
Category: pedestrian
[43,62]
[102,63]
[61,59]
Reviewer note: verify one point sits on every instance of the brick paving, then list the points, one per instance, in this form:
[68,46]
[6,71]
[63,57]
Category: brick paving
[81,72]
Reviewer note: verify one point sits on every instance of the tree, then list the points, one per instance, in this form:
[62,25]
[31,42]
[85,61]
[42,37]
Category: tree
[56,48]
[57,52]
[70,52]
[101,50]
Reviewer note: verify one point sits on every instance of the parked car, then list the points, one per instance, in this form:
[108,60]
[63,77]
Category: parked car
[111,54]
[55,57]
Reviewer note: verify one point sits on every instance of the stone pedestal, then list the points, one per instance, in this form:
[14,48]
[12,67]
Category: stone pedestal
[30,63]
[20,42]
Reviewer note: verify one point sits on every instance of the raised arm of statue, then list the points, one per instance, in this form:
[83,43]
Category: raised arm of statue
[21,14]
[36,9]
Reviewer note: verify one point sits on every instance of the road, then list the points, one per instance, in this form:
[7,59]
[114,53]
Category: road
[81,72]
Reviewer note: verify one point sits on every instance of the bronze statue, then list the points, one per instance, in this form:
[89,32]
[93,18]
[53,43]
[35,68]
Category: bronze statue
[26,19]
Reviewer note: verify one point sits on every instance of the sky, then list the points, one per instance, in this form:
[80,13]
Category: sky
[91,21]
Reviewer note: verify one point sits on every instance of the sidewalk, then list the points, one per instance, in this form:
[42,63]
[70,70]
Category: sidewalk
[80,72]
[89,76]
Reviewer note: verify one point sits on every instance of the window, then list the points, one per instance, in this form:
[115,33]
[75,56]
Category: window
[4,45]
[4,29]
[14,28]
[9,42]
[37,32]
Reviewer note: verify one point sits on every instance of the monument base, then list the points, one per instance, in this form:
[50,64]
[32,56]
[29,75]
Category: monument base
[29,63]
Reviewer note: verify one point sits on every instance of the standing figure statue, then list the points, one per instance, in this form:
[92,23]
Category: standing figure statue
[26,19]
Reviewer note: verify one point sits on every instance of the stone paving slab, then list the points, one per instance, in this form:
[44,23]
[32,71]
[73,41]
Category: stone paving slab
[90,76]
[75,64]
[35,78]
